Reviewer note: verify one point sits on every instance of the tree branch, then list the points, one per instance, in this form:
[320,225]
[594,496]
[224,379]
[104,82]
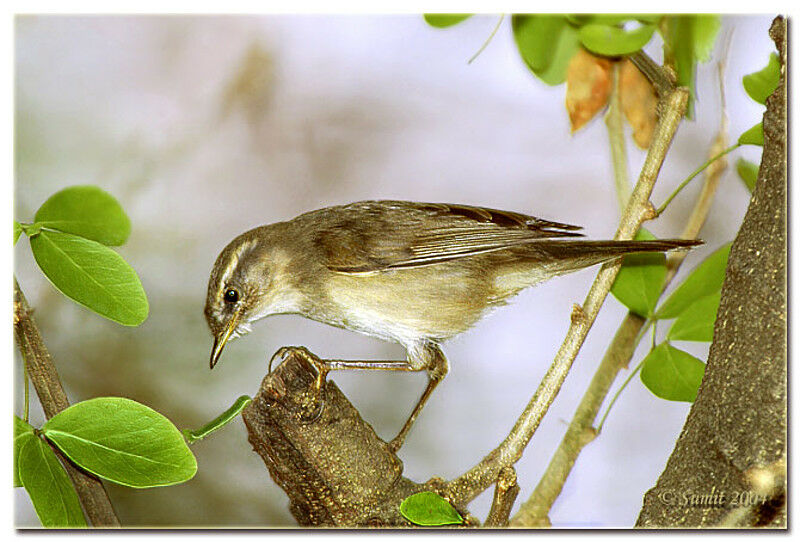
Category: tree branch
[467,486]
[505,493]
[44,377]
[535,511]
[328,460]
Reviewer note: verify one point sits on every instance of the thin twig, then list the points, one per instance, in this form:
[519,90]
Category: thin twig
[467,486]
[662,79]
[536,509]
[42,372]
[505,493]
[488,40]
[694,174]
[616,140]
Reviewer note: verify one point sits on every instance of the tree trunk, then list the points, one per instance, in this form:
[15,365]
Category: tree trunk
[728,468]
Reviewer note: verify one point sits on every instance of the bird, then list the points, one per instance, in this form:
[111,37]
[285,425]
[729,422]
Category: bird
[412,273]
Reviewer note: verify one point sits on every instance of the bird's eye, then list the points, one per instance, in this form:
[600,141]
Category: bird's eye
[231,295]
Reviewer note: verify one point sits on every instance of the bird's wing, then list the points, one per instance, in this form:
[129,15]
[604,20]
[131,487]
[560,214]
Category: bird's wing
[380,235]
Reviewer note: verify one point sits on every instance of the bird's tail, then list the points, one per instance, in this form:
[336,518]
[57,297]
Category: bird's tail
[547,258]
[574,255]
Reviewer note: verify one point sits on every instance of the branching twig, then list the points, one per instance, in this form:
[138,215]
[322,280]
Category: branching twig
[663,80]
[535,511]
[43,375]
[466,487]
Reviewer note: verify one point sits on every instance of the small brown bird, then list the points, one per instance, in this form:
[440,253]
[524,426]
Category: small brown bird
[412,273]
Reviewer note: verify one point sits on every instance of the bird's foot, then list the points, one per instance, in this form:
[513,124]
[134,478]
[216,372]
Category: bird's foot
[313,409]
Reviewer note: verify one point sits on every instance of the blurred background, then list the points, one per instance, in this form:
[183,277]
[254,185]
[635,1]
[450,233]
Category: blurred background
[206,126]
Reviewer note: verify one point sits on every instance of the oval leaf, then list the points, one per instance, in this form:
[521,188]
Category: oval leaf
[704,280]
[429,509]
[696,323]
[546,44]
[753,136]
[748,172]
[91,274]
[444,20]
[51,492]
[17,231]
[606,40]
[761,84]
[672,374]
[641,279]
[122,441]
[87,211]
[23,432]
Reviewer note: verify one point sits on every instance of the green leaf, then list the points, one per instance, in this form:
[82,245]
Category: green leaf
[753,136]
[91,274]
[761,84]
[640,280]
[614,19]
[17,231]
[122,441]
[23,432]
[87,211]
[704,280]
[547,43]
[696,323]
[218,422]
[614,41]
[672,374]
[429,509]
[444,20]
[704,33]
[748,172]
[51,492]
[690,38]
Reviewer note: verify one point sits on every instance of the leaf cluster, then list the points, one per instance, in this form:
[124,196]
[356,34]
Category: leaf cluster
[668,372]
[70,239]
[547,43]
[759,86]
[114,438]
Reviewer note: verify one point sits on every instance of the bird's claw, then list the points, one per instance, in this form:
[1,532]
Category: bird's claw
[311,359]
[284,351]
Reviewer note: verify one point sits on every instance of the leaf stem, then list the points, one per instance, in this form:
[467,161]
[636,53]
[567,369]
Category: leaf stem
[218,422]
[488,40]
[617,394]
[694,174]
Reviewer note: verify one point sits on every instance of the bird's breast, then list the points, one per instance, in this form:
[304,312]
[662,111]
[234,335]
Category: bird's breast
[407,305]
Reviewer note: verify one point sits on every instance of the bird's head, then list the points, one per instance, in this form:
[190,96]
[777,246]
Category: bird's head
[239,289]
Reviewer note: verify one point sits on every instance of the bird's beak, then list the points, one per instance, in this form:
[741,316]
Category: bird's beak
[222,338]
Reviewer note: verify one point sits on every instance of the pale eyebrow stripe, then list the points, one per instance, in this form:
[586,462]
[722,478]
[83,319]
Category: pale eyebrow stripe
[247,246]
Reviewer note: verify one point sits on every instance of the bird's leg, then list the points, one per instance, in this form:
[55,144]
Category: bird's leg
[427,357]
[437,368]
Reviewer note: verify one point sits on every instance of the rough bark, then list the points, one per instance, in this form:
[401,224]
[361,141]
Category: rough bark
[728,466]
[328,460]
[42,373]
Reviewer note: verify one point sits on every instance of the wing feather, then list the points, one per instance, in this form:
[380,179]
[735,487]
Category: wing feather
[374,236]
